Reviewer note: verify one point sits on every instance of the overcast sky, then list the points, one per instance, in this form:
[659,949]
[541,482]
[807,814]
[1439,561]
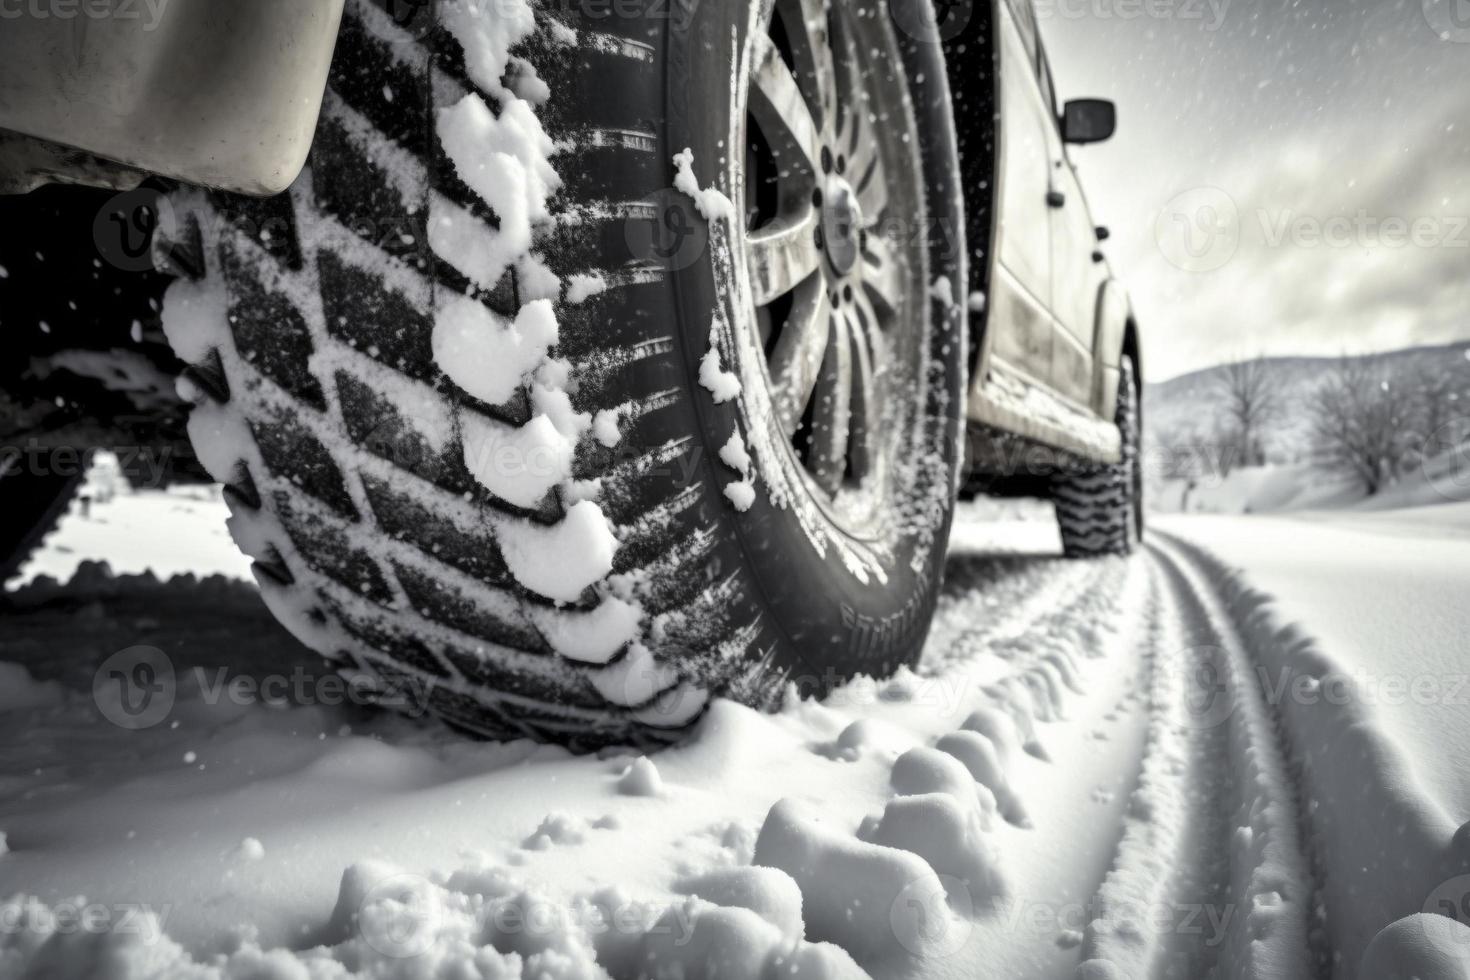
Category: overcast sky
[1287,178]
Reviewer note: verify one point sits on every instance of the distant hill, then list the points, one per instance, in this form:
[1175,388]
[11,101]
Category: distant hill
[1189,401]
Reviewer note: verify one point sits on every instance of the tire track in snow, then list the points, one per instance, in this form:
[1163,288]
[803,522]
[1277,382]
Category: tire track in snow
[1010,593]
[932,870]
[1210,873]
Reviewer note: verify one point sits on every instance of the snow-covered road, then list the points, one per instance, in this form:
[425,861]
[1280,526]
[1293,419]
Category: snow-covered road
[1240,751]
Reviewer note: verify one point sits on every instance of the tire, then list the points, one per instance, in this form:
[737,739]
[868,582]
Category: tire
[1100,509]
[329,400]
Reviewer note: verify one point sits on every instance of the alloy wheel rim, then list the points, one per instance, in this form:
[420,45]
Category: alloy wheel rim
[831,176]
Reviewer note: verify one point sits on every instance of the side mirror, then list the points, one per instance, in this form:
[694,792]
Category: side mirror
[1089,120]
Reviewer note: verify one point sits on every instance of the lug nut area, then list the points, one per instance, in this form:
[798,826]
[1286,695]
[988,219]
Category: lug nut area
[841,225]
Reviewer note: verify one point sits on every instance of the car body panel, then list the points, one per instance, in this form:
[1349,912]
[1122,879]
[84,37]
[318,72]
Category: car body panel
[216,92]
[1021,285]
[1056,319]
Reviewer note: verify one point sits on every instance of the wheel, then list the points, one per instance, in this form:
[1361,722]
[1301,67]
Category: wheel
[576,381]
[1100,509]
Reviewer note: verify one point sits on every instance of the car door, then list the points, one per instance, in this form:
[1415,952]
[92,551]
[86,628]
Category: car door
[1076,274]
[1021,293]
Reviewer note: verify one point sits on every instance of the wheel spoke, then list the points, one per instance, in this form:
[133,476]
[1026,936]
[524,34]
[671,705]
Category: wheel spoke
[882,277]
[865,170]
[781,255]
[796,361]
[851,101]
[808,29]
[868,323]
[863,427]
[832,410]
[784,114]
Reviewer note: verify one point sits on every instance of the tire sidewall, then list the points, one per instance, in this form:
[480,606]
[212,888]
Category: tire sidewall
[831,624]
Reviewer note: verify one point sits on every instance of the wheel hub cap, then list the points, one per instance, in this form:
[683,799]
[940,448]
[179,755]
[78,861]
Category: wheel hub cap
[842,225]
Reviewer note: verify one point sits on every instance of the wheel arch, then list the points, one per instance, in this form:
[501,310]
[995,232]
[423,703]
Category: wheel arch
[1117,334]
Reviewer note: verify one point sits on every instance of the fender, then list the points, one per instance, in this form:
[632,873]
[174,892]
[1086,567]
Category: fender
[1114,314]
[223,93]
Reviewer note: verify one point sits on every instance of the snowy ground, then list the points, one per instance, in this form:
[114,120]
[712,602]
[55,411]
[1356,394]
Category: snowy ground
[1241,751]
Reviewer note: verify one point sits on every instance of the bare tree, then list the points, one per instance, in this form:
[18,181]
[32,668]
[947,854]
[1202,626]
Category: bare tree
[1250,401]
[1358,422]
[1439,391]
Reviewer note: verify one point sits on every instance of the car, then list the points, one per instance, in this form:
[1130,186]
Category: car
[568,365]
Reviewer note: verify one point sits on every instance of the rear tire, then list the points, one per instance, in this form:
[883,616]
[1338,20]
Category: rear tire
[1100,509]
[339,422]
